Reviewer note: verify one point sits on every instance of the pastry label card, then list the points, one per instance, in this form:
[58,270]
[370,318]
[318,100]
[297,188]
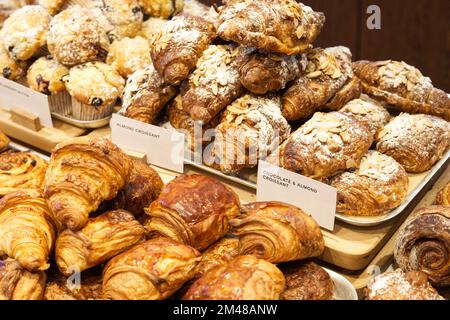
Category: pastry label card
[14,95]
[163,147]
[313,197]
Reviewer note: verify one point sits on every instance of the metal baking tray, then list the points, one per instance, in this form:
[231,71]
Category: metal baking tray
[94,124]
[18,147]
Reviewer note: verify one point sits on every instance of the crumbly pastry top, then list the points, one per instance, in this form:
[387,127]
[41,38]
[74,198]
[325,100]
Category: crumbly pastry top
[94,83]
[10,68]
[380,167]
[162,8]
[25,32]
[195,8]
[52,6]
[151,27]
[76,37]
[46,76]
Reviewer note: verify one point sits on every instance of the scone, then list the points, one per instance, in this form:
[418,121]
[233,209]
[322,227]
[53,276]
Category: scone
[46,76]
[10,68]
[95,88]
[52,6]
[151,27]
[25,32]
[77,37]
[161,8]
[129,55]
[4,141]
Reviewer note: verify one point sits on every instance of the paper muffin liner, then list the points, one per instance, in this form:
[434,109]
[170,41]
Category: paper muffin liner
[86,112]
[60,103]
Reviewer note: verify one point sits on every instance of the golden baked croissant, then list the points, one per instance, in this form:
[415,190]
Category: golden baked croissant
[145,95]
[243,278]
[283,26]
[178,46]
[379,185]
[328,71]
[443,197]
[153,270]
[4,141]
[58,288]
[324,146]
[17,283]
[403,87]
[372,111]
[21,170]
[277,232]
[306,281]
[214,84]
[84,172]
[102,238]
[397,285]
[262,72]
[417,141]
[161,8]
[194,210]
[219,254]
[27,229]
[251,128]
[424,244]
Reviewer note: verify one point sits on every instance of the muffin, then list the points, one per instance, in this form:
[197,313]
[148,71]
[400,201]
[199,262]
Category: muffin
[95,88]
[24,33]
[120,18]
[46,76]
[151,27]
[52,6]
[129,55]
[75,37]
[162,8]
[10,68]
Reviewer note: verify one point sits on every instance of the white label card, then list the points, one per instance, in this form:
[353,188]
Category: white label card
[313,197]
[164,148]
[15,95]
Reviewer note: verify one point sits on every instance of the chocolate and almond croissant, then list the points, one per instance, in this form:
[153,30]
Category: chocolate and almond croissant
[4,141]
[145,95]
[283,26]
[214,84]
[403,87]
[16,283]
[21,170]
[101,239]
[27,229]
[243,278]
[153,270]
[324,146]
[59,288]
[194,210]
[84,172]
[379,185]
[415,141]
[424,244]
[262,72]
[327,83]
[443,197]
[251,128]
[176,49]
[277,232]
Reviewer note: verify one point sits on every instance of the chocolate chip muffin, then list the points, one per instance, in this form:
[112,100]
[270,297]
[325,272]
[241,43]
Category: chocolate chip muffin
[162,8]
[10,68]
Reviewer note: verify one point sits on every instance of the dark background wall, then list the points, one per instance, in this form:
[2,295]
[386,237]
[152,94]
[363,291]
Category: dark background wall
[415,31]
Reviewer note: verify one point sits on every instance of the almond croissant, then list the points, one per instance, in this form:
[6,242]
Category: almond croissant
[101,239]
[83,173]
[283,26]
[27,229]
[277,232]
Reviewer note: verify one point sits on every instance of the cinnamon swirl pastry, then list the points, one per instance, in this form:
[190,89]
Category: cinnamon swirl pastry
[4,141]
[443,197]
[424,244]
[21,170]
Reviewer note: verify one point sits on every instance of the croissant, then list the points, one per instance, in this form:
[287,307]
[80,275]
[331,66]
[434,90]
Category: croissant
[417,142]
[379,185]
[145,95]
[21,170]
[194,210]
[443,197]
[424,244]
[90,288]
[307,281]
[325,145]
[82,173]
[161,8]
[277,232]
[178,46]
[153,270]
[243,278]
[101,239]
[17,283]
[328,71]
[402,86]
[219,254]
[214,84]
[27,229]
[283,26]
[4,141]
[262,72]
[251,128]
